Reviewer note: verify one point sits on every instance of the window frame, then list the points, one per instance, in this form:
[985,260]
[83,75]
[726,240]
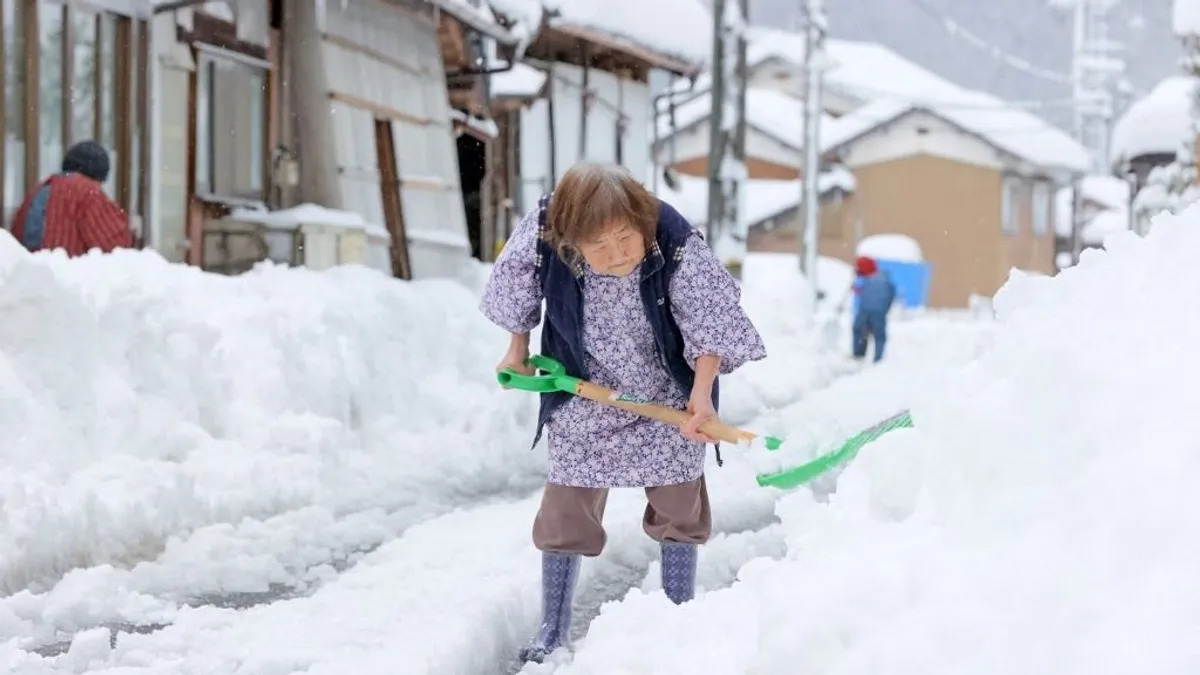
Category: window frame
[207,55]
[1041,204]
[1010,205]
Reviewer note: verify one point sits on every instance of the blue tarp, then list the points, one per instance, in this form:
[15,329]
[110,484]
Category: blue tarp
[911,279]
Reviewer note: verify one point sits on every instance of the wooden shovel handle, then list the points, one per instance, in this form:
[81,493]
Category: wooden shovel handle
[714,429]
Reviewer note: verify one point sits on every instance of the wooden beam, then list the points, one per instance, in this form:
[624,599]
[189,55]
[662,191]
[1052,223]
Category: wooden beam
[354,47]
[66,82]
[33,57]
[386,112]
[123,102]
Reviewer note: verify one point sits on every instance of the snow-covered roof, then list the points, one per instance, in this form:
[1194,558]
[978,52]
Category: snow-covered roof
[1185,18]
[522,81]
[1159,122]
[1110,192]
[775,113]
[677,30]
[865,70]
[1012,130]
[890,85]
[765,198]
[890,246]
[479,17]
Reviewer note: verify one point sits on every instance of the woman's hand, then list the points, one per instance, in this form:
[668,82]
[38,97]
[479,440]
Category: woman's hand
[517,357]
[700,405]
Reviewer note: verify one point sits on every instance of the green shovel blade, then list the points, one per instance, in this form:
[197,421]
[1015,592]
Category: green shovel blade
[799,475]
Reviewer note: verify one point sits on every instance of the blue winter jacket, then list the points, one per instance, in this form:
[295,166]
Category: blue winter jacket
[876,293]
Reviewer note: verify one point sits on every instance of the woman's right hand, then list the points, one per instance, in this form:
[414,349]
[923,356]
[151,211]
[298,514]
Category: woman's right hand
[515,360]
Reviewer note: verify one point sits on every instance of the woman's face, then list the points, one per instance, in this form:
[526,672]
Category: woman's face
[616,250]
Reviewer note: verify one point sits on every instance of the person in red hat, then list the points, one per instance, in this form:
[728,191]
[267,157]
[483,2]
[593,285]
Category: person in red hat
[876,293]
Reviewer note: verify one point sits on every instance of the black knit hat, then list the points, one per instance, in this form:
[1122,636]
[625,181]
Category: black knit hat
[88,158]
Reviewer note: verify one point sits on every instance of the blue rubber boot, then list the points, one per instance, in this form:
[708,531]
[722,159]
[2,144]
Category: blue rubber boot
[559,573]
[679,571]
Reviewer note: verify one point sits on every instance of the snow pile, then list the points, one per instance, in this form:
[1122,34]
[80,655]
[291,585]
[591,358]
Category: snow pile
[1099,193]
[211,435]
[1158,123]
[897,247]
[1185,18]
[780,301]
[1103,225]
[1043,509]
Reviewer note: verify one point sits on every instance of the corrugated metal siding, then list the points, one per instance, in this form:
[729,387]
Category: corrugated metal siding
[394,66]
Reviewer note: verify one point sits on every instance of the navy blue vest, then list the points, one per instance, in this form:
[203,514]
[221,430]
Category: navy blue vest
[562,324]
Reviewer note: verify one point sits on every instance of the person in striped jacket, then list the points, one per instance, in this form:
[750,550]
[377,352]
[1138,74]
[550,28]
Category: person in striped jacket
[70,211]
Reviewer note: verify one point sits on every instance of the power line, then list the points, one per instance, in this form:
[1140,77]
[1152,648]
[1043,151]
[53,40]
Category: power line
[957,30]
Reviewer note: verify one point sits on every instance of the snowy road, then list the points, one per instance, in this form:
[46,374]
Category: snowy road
[271,510]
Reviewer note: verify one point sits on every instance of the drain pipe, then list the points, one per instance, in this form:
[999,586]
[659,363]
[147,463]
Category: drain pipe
[670,95]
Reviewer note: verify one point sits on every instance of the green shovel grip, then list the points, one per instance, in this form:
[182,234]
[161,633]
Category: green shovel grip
[554,379]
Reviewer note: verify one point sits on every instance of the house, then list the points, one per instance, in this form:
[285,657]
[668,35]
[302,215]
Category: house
[213,108]
[967,176]
[592,99]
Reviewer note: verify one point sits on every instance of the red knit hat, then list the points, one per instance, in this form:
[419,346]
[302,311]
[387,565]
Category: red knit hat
[865,266]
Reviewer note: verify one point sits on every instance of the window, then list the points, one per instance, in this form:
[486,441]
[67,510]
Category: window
[12,16]
[50,87]
[231,125]
[1010,189]
[1041,208]
[85,61]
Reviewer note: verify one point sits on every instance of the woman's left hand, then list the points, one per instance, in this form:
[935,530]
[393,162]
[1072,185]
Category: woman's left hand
[700,405]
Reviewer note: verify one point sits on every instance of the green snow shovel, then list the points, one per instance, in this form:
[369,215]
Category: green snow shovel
[554,378]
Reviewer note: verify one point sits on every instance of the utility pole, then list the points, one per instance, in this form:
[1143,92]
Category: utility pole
[1096,70]
[814,60]
[716,125]
[727,134]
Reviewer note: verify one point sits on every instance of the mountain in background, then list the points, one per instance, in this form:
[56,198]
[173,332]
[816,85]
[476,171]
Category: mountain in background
[1035,30]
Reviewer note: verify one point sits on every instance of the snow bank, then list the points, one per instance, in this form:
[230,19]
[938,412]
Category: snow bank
[181,434]
[1043,509]
[1185,18]
[779,300]
[897,247]
[1104,192]
[1160,122]
[1103,225]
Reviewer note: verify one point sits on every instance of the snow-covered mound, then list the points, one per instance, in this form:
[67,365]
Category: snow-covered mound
[144,401]
[173,437]
[1042,517]
[780,301]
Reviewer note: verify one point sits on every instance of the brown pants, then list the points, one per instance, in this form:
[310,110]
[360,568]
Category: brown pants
[570,519]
